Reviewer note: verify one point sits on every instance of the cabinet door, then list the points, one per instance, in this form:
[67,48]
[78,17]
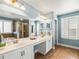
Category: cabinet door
[26,53]
[47,45]
[50,44]
[0,57]
[11,55]
[42,26]
[29,52]
[42,48]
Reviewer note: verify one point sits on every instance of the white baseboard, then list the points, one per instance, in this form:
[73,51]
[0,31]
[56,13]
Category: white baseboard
[54,47]
[36,51]
[68,46]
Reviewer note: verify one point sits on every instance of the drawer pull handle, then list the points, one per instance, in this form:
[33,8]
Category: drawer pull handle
[22,53]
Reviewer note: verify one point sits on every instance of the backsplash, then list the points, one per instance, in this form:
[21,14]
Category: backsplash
[9,35]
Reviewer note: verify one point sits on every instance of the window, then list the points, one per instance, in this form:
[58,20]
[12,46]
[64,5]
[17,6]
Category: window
[70,27]
[7,26]
[1,27]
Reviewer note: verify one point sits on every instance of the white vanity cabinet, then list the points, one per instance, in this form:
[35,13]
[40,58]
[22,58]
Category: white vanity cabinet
[26,52]
[0,57]
[11,55]
[46,46]
[46,27]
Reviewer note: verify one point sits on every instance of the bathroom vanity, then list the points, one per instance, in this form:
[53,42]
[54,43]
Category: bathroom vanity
[24,49]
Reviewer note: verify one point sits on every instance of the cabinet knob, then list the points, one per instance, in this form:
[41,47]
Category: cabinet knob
[22,53]
[49,40]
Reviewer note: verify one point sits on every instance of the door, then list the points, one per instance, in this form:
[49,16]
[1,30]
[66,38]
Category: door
[25,29]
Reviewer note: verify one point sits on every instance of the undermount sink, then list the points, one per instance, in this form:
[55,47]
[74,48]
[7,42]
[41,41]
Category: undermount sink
[19,42]
[22,42]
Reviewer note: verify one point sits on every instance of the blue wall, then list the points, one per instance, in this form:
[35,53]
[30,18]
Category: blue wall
[62,40]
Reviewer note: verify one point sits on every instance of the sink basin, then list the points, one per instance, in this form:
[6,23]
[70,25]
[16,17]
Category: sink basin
[22,42]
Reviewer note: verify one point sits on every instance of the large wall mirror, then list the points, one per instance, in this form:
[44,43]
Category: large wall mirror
[14,27]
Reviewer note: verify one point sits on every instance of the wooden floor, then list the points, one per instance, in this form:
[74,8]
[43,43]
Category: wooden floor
[60,53]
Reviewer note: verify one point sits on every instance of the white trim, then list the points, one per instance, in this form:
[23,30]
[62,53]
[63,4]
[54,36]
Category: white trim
[53,47]
[36,50]
[57,31]
[68,46]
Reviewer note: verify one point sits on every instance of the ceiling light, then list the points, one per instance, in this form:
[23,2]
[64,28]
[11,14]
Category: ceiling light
[21,19]
[44,17]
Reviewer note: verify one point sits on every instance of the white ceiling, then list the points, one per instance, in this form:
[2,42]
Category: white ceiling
[58,6]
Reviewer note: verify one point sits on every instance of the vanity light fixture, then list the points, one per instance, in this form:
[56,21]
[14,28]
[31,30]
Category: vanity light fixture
[15,3]
[10,1]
